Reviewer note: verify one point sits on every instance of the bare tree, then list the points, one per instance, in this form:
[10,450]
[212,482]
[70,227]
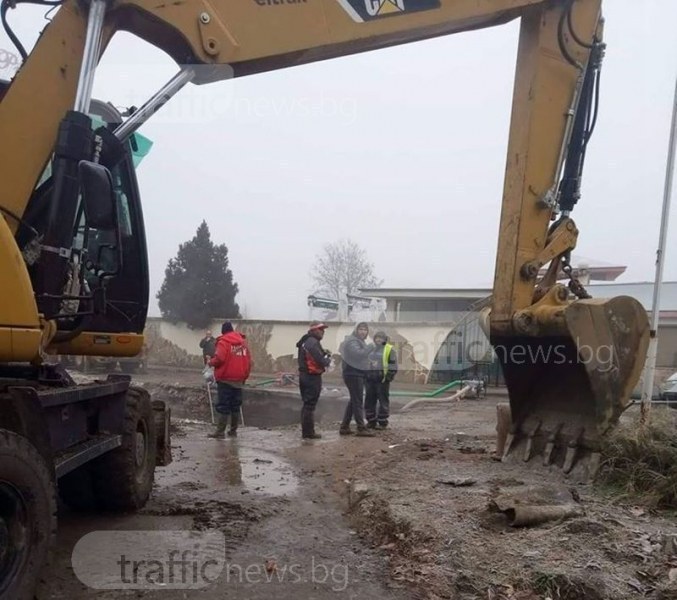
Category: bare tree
[343,268]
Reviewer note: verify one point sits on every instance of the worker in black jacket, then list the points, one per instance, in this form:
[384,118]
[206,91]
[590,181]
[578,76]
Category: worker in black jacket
[208,345]
[313,361]
[354,354]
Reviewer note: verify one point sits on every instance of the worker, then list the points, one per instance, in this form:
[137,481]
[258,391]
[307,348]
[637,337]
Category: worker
[382,367]
[354,354]
[208,345]
[313,360]
[232,366]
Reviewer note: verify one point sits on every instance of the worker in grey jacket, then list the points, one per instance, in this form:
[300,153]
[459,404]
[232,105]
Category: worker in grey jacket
[354,354]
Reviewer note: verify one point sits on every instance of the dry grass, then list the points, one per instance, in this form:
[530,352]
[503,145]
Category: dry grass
[562,586]
[642,464]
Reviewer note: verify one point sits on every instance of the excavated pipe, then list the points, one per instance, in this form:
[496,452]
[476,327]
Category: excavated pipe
[525,515]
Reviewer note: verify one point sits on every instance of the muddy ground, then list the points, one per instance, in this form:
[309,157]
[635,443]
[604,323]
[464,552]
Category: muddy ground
[407,514]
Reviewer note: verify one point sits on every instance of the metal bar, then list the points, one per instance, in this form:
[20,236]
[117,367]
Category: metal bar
[155,103]
[211,404]
[83,453]
[90,58]
[672,402]
[58,397]
[649,369]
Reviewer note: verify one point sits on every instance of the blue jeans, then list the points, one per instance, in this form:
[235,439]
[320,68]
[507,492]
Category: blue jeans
[229,398]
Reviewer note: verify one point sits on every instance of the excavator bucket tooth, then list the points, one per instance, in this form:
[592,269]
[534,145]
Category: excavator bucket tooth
[570,457]
[568,390]
[508,444]
[528,450]
[550,445]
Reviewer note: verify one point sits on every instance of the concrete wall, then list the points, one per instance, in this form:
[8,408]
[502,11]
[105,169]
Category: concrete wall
[273,344]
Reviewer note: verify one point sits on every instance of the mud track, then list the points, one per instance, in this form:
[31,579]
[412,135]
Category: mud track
[407,514]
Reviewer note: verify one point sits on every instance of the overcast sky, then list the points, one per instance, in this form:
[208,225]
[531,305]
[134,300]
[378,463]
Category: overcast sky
[402,150]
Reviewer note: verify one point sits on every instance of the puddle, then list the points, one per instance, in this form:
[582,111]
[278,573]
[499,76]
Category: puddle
[206,466]
[256,470]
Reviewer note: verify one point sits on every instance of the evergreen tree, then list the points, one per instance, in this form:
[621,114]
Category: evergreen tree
[198,285]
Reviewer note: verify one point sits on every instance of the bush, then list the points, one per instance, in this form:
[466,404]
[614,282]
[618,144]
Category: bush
[642,464]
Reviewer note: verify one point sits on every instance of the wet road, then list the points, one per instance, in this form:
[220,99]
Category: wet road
[228,519]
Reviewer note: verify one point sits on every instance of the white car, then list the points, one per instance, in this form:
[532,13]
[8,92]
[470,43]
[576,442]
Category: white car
[669,387]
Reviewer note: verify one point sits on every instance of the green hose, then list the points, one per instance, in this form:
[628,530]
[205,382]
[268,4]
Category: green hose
[444,388]
[432,394]
[261,383]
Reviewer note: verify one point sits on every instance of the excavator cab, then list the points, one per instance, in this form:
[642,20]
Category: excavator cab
[105,258]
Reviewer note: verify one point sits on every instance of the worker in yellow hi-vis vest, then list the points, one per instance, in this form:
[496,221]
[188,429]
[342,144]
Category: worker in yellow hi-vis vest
[382,370]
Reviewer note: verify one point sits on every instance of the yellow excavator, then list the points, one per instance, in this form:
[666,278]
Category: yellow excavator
[73,265]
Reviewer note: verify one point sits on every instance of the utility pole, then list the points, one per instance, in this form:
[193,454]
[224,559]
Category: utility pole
[647,391]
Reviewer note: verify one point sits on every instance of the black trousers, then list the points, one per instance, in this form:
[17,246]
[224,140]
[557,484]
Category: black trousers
[355,407]
[229,398]
[310,387]
[377,402]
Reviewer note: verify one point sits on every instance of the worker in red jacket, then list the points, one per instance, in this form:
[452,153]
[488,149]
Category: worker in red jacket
[232,365]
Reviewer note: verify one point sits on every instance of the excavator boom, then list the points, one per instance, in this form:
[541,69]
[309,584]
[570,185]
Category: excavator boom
[565,405]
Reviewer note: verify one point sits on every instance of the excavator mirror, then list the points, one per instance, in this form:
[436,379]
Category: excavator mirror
[98,197]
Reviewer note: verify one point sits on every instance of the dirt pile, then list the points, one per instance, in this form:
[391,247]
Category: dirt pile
[160,351]
[432,504]
[186,401]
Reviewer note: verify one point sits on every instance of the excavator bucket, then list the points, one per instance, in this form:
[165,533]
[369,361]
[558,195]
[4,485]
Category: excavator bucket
[569,389]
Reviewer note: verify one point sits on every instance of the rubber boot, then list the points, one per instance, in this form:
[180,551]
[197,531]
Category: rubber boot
[234,422]
[221,423]
[308,425]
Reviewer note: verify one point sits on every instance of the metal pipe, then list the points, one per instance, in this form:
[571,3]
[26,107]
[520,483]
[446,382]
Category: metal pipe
[90,58]
[650,366]
[155,103]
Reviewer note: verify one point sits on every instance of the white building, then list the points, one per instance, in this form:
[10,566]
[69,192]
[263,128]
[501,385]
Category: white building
[409,305]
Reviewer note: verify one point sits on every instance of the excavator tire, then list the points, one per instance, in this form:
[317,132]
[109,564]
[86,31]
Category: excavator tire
[27,516]
[123,478]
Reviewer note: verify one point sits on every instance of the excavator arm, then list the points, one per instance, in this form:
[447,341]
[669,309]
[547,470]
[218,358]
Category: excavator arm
[560,404]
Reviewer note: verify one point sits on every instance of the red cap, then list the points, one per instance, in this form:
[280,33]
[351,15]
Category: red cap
[317,325]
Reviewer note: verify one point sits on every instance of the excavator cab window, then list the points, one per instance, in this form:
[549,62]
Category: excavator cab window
[101,255]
